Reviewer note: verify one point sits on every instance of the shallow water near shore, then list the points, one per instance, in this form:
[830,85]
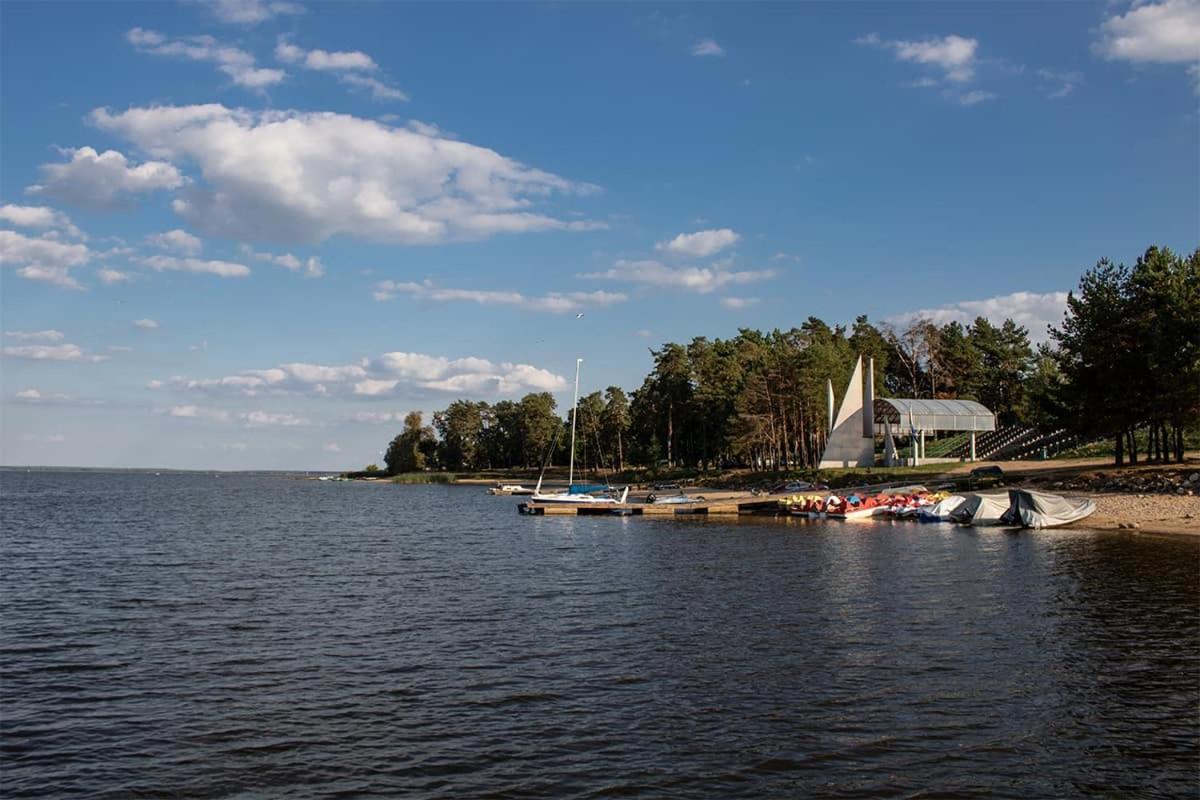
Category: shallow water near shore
[203,636]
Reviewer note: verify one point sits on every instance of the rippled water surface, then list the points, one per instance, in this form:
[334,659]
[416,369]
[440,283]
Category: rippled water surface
[200,636]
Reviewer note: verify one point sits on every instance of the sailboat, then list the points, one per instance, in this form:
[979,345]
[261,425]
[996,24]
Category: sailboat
[568,496]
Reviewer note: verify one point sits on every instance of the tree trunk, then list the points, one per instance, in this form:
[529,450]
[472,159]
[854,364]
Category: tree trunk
[1119,449]
[670,432]
[1131,445]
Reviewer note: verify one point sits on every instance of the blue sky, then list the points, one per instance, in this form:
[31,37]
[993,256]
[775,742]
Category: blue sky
[254,234]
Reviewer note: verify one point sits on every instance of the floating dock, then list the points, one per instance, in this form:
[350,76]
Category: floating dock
[727,506]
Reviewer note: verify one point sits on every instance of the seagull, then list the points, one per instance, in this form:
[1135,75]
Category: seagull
[579,315]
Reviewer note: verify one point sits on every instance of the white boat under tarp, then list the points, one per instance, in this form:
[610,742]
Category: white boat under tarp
[940,511]
[981,509]
[1030,509]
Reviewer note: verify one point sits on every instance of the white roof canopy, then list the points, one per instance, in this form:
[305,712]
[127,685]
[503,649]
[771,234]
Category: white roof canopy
[934,415]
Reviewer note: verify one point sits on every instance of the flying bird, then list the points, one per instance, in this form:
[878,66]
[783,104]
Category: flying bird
[579,315]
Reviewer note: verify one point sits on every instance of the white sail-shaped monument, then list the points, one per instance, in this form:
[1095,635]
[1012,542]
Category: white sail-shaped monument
[851,441]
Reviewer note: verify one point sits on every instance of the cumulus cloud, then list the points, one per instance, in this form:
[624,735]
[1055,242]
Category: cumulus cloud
[42,259]
[250,419]
[1032,310]
[700,244]
[179,241]
[310,267]
[252,12]
[382,376]
[953,60]
[51,352]
[293,176]
[1165,33]
[237,64]
[323,60]
[738,302]
[146,324]
[707,47]
[353,68]
[553,302]
[36,336]
[102,181]
[39,217]
[223,269]
[696,279]
[109,276]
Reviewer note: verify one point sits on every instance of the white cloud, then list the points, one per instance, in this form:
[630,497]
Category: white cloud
[310,267]
[975,96]
[43,259]
[782,256]
[102,181]
[378,89]
[1056,83]
[707,47]
[146,324]
[696,279]
[179,241]
[252,12]
[331,447]
[51,352]
[1032,310]
[36,336]
[223,269]
[324,60]
[349,66]
[273,419]
[644,333]
[554,302]
[384,375]
[34,396]
[700,244]
[195,412]
[237,64]
[953,57]
[738,302]
[39,217]
[294,176]
[379,417]
[1166,32]
[109,276]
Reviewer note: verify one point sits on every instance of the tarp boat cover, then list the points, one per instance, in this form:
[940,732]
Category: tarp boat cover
[940,512]
[981,509]
[1041,510]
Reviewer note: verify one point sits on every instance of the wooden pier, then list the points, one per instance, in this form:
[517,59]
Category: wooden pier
[748,504]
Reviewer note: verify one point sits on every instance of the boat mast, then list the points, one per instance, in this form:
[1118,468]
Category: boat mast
[574,415]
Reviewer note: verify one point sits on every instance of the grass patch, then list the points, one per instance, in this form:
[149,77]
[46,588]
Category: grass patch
[424,477]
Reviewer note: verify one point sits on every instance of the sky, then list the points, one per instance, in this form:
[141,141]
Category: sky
[254,234]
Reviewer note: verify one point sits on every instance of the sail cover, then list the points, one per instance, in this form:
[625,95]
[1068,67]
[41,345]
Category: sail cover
[1043,510]
[981,509]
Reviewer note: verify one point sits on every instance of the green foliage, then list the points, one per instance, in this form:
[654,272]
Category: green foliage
[1127,358]
[371,468]
[1128,355]
[414,449]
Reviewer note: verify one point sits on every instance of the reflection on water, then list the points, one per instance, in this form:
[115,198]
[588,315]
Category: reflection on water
[204,637]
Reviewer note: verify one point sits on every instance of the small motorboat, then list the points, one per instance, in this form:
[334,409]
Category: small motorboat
[1029,509]
[509,489]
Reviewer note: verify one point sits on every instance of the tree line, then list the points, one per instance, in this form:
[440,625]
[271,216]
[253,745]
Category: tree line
[1124,364]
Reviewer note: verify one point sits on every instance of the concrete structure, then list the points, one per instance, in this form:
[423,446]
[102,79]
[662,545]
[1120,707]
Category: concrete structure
[861,418]
[851,440]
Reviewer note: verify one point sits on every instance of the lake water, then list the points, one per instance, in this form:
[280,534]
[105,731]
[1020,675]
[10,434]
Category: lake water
[199,636]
